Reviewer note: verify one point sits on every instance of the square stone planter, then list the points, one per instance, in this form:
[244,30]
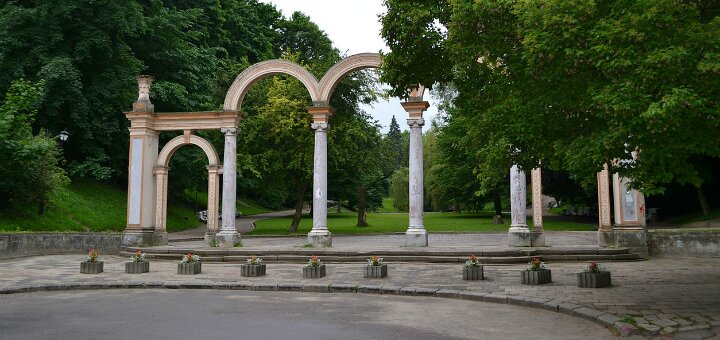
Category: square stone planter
[375,272]
[314,272]
[535,277]
[137,267]
[252,271]
[91,267]
[190,268]
[593,280]
[473,273]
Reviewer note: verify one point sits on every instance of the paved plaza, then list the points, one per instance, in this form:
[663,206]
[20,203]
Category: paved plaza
[663,295]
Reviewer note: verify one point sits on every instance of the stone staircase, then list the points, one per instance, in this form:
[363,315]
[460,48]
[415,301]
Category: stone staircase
[301,255]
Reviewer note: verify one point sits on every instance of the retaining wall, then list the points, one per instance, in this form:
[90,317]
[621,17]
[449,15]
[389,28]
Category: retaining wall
[31,244]
[684,242]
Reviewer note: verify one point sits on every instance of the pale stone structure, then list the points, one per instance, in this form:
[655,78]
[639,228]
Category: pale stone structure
[519,234]
[147,187]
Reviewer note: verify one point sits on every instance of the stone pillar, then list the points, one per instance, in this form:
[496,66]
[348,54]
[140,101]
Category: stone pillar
[320,235]
[519,235]
[416,235]
[629,229]
[161,181]
[141,219]
[228,236]
[537,203]
[603,180]
[213,194]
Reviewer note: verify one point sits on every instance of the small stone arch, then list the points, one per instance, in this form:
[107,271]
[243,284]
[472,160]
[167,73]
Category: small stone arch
[352,63]
[245,80]
[161,174]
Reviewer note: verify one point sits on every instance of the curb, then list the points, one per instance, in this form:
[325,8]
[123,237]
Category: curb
[610,321]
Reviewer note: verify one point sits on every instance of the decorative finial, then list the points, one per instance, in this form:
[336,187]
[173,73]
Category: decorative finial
[144,83]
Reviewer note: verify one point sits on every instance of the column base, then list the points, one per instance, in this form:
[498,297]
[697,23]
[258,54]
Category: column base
[320,238]
[634,239]
[526,238]
[416,238]
[222,240]
[144,238]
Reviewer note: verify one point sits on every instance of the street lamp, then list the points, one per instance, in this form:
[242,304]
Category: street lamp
[63,137]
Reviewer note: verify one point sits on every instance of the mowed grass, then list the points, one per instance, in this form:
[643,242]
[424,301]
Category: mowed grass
[87,206]
[381,223]
[244,205]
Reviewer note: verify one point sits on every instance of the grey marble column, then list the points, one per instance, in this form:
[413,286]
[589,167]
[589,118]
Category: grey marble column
[416,234]
[228,235]
[320,235]
[518,200]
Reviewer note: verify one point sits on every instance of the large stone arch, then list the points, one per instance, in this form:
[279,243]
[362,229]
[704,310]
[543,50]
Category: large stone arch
[350,64]
[161,179]
[245,80]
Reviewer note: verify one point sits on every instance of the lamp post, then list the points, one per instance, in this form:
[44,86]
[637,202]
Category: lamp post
[63,137]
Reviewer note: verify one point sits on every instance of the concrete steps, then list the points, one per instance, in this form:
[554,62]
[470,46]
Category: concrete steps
[427,256]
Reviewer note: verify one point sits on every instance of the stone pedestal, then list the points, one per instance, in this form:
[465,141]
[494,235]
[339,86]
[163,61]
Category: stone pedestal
[416,238]
[144,238]
[525,238]
[320,238]
[222,239]
[634,239]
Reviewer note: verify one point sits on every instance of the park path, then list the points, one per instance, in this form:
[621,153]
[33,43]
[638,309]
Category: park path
[243,225]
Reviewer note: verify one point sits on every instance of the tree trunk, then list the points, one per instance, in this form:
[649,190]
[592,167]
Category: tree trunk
[362,206]
[300,187]
[41,206]
[497,202]
[703,200]
[339,207]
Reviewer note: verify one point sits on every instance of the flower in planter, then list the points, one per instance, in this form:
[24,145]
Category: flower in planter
[190,258]
[253,261]
[139,256]
[472,261]
[375,261]
[535,264]
[314,261]
[93,256]
[594,267]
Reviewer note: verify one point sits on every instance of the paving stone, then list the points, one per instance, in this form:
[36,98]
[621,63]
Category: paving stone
[664,322]
[649,327]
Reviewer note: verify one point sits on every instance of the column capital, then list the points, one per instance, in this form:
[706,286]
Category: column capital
[416,122]
[320,127]
[229,130]
[214,168]
[161,169]
[321,114]
[415,109]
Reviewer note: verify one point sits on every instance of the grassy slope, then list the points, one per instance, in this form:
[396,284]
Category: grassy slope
[387,223]
[87,206]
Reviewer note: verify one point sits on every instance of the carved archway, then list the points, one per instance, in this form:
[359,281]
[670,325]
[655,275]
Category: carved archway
[161,179]
[254,73]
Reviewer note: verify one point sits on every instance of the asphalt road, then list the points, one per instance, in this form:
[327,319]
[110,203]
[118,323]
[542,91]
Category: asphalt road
[215,314]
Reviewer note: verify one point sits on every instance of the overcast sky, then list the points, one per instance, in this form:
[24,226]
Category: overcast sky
[353,27]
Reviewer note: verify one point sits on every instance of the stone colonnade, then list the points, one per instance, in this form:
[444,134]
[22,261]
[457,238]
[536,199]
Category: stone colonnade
[147,184]
[629,210]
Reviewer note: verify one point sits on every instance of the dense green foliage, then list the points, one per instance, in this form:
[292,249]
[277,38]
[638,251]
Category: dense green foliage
[29,169]
[570,85]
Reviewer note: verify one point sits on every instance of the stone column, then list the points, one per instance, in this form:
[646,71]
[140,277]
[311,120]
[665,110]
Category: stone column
[213,194]
[416,235]
[603,180]
[629,229]
[320,235]
[537,203]
[518,202]
[141,219]
[161,180]
[228,236]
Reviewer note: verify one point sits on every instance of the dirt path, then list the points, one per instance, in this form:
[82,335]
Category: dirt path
[243,225]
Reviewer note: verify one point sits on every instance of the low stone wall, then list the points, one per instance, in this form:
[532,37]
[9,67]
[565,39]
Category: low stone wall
[684,242]
[31,244]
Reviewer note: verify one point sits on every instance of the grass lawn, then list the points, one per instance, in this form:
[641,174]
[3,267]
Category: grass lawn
[87,206]
[244,205]
[343,224]
[696,217]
